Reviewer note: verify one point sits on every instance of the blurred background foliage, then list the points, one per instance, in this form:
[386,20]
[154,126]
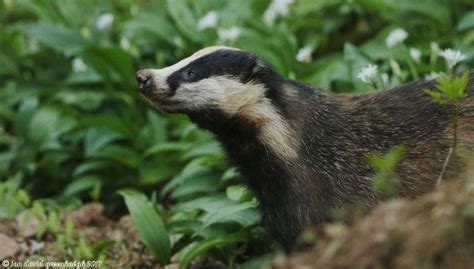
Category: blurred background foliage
[73,128]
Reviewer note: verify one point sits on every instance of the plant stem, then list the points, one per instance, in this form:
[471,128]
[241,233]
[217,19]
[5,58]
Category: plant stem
[452,149]
[446,161]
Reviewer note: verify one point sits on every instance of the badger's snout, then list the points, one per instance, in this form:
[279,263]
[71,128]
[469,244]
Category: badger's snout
[145,81]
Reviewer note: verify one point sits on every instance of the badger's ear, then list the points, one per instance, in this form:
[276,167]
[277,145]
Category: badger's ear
[257,67]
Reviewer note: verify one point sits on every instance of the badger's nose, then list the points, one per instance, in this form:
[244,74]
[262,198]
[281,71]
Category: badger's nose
[145,81]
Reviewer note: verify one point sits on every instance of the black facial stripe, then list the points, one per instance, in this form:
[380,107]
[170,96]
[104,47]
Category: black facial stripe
[221,62]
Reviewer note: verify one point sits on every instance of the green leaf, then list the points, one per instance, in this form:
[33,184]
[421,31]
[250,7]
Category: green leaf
[158,169]
[236,193]
[91,165]
[47,124]
[97,138]
[259,262]
[206,203]
[101,245]
[192,169]
[56,37]
[202,183]
[113,122]
[149,225]
[466,22]
[81,184]
[202,247]
[384,166]
[224,214]
[113,64]
[151,26]
[166,148]
[122,154]
[203,149]
[184,19]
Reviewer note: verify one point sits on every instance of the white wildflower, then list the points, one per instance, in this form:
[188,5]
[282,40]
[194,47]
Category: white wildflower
[395,37]
[433,75]
[385,78]
[275,9]
[78,65]
[415,54]
[452,57]
[105,21]
[304,54]
[124,43]
[434,48]
[230,34]
[368,73]
[208,21]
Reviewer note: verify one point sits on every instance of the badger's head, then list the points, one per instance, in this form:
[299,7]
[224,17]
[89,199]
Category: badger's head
[220,86]
[215,78]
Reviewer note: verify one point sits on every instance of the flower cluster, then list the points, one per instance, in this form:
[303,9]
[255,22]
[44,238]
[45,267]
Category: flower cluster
[105,21]
[395,37]
[78,65]
[433,75]
[368,73]
[415,54]
[452,57]
[230,34]
[304,54]
[208,21]
[275,9]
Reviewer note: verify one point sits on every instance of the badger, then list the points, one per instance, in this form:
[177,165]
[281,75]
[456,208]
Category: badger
[302,150]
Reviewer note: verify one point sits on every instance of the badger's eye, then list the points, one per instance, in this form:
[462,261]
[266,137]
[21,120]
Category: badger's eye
[189,74]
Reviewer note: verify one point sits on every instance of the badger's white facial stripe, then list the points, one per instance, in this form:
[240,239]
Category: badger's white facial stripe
[247,101]
[161,75]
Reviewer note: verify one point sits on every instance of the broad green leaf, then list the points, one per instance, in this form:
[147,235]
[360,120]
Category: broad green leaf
[208,204]
[154,170]
[122,154]
[192,169]
[224,214]
[203,183]
[466,22]
[91,165]
[206,148]
[97,138]
[81,184]
[257,263]
[151,26]
[149,225]
[166,148]
[236,193]
[56,37]
[113,64]
[202,247]
[246,218]
[157,126]
[112,122]
[184,19]
[47,124]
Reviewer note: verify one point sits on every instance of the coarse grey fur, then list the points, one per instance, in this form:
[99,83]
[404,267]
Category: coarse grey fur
[303,151]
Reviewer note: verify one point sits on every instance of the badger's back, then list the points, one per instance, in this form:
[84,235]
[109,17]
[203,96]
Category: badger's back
[408,116]
[339,144]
